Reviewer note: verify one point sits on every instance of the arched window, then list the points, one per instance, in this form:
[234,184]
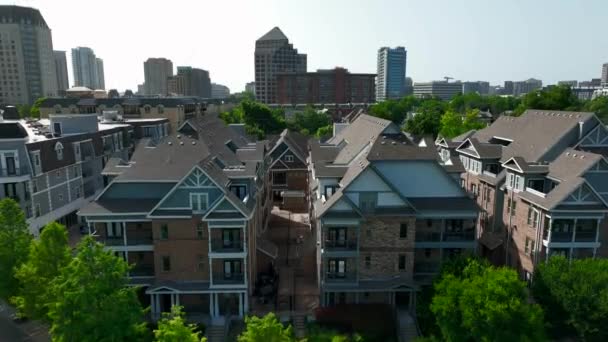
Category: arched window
[59,151]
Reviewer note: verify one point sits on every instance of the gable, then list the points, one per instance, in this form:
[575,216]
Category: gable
[597,137]
[196,182]
[582,195]
[512,164]
[223,210]
[368,180]
[391,129]
[283,158]
[341,205]
[467,148]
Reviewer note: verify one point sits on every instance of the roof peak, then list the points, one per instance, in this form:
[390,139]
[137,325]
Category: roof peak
[274,34]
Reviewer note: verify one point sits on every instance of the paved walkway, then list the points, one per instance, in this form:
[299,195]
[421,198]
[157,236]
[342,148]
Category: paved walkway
[407,327]
[10,331]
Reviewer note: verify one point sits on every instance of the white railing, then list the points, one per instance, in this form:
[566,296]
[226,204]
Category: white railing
[536,192]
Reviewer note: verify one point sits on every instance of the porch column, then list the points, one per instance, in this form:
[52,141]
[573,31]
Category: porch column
[211,306]
[240,305]
[89,227]
[157,301]
[176,299]
[411,302]
[573,239]
[442,230]
[123,226]
[216,305]
[153,308]
[597,236]
[172,299]
[245,303]
[549,238]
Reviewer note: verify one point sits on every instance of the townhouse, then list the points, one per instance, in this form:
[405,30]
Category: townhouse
[52,167]
[387,214]
[540,182]
[186,211]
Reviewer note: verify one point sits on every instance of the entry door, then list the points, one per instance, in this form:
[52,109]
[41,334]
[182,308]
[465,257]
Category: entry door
[10,166]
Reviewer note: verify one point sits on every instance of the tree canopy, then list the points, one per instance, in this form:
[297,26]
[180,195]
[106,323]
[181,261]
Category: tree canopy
[556,98]
[267,329]
[47,256]
[453,124]
[173,328]
[575,296]
[486,304]
[14,245]
[92,301]
[312,122]
[258,118]
[427,120]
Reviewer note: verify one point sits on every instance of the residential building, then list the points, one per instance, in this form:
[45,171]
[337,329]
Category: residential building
[190,81]
[28,69]
[156,73]
[527,86]
[539,179]
[219,91]
[325,86]
[605,74]
[52,167]
[61,69]
[186,211]
[479,87]
[409,86]
[386,214]
[391,73]
[273,55]
[595,82]
[443,89]
[570,83]
[176,109]
[87,69]
[250,88]
[508,88]
[288,166]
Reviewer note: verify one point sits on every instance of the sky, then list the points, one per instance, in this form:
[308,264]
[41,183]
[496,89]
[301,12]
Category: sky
[471,40]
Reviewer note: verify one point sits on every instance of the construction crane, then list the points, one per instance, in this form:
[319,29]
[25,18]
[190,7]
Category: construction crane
[448,78]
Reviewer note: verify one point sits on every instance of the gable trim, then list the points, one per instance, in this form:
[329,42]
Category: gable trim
[518,169]
[464,143]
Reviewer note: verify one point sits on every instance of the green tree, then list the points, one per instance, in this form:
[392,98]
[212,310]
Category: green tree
[451,125]
[310,121]
[427,121]
[325,131]
[15,240]
[575,296]
[267,329]
[47,256]
[486,304]
[394,110]
[35,110]
[554,98]
[173,328]
[92,301]
[24,110]
[258,118]
[599,106]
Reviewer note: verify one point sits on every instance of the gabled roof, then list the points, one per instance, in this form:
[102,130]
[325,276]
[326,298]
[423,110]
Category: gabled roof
[274,34]
[473,147]
[572,163]
[399,147]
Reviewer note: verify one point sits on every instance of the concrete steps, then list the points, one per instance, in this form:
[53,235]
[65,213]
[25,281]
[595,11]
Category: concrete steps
[215,333]
[407,327]
[299,326]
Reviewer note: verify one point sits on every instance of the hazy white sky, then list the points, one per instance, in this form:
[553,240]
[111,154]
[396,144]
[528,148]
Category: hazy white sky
[467,39]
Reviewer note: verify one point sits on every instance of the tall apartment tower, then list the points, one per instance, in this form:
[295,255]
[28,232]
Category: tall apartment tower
[190,81]
[28,66]
[390,82]
[274,54]
[87,68]
[156,73]
[605,74]
[61,68]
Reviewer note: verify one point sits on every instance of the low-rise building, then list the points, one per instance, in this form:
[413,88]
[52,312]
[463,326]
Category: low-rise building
[219,91]
[442,89]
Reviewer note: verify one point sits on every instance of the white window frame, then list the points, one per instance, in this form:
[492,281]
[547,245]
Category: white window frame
[198,197]
[59,150]
[289,158]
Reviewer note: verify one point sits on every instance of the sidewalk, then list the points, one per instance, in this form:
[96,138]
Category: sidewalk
[11,331]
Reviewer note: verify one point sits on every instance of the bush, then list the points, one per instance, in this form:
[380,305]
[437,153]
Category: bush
[375,322]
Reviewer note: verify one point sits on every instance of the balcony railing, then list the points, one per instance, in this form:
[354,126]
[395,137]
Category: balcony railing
[341,245]
[139,240]
[226,246]
[459,236]
[427,267]
[340,277]
[142,271]
[428,236]
[114,241]
[12,172]
[585,236]
[561,236]
[228,278]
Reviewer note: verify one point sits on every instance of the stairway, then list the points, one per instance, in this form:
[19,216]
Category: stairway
[215,333]
[299,326]
[407,327]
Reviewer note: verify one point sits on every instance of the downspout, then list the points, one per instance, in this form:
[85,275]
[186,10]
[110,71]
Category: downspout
[509,228]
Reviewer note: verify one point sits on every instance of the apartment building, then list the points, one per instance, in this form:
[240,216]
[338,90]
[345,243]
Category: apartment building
[186,210]
[176,109]
[52,167]
[287,164]
[387,214]
[540,182]
[156,73]
[391,70]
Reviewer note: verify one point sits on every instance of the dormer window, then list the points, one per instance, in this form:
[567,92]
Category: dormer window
[59,151]
[289,158]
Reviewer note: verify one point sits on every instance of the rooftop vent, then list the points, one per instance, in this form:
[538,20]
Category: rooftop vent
[179,136]
[181,143]
[169,143]
[194,143]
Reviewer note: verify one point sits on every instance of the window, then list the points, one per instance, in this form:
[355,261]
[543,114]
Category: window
[533,217]
[518,182]
[198,202]
[200,230]
[113,229]
[231,267]
[337,268]
[403,231]
[36,159]
[239,190]
[368,201]
[279,178]
[329,190]
[160,109]
[164,231]
[37,211]
[368,261]
[57,128]
[487,194]
[201,262]
[463,183]
[474,189]
[289,158]
[401,262]
[529,247]
[511,206]
[166,263]
[510,180]
[147,109]
[232,146]
[60,197]
[76,171]
[59,151]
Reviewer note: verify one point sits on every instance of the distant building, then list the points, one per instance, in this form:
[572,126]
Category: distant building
[595,82]
[391,73]
[141,89]
[325,86]
[605,74]
[250,88]
[219,91]
[156,73]
[28,70]
[409,86]
[87,69]
[571,83]
[273,55]
[527,86]
[190,81]
[507,88]
[480,87]
[442,89]
[61,69]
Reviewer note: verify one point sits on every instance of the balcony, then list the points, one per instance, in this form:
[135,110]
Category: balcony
[427,267]
[561,236]
[340,277]
[226,246]
[341,245]
[228,278]
[459,236]
[585,236]
[139,240]
[428,236]
[114,241]
[142,271]
[13,172]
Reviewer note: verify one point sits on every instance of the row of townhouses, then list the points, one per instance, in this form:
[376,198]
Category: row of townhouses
[541,181]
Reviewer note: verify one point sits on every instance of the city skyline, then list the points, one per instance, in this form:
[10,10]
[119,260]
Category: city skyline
[469,40]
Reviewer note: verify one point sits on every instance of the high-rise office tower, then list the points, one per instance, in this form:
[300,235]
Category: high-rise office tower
[61,68]
[87,68]
[390,82]
[156,73]
[28,66]
[190,81]
[274,54]
[605,74]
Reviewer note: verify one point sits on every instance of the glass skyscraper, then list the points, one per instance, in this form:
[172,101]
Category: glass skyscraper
[390,82]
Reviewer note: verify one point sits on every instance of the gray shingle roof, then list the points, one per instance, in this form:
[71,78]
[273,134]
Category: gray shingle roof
[274,34]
